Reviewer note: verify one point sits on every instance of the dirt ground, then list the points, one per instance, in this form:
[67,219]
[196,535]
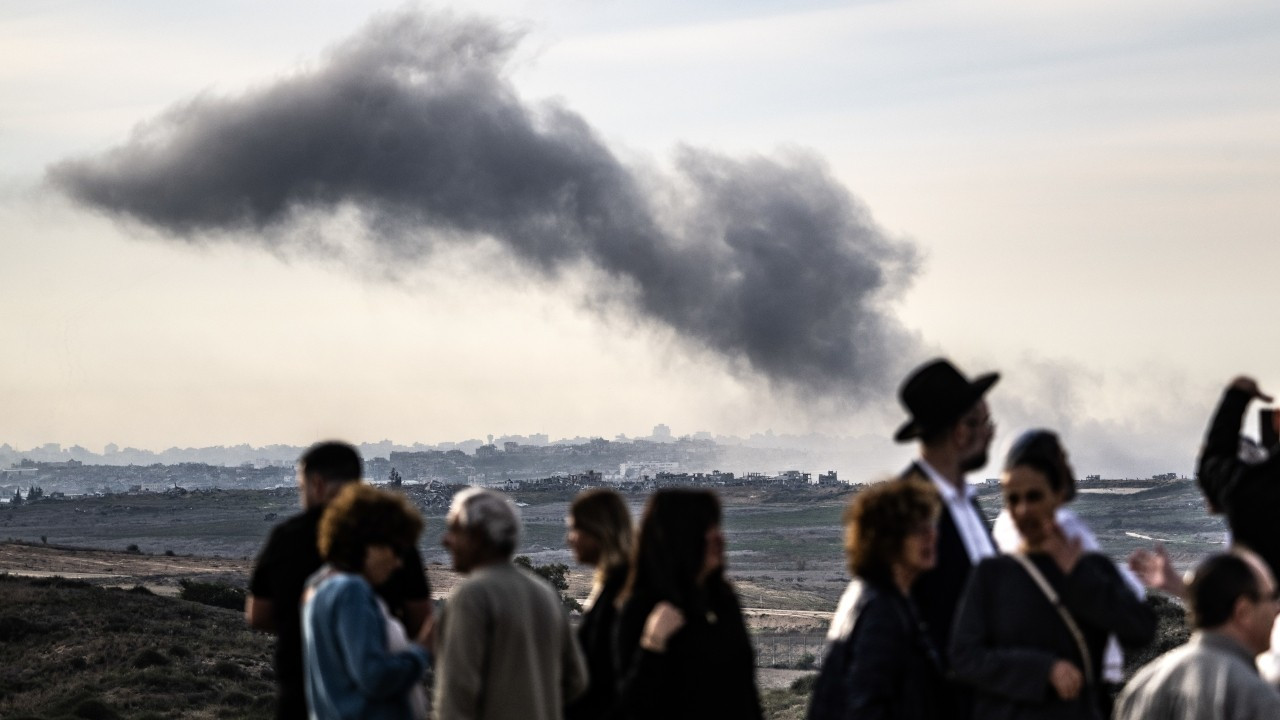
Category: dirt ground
[159,573]
[162,574]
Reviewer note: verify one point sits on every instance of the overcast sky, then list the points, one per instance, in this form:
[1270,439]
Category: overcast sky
[1079,195]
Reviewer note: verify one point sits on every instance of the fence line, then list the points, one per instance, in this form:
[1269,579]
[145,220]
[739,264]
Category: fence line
[796,652]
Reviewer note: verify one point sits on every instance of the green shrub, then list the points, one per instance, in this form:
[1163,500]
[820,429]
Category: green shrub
[555,573]
[215,594]
[235,698]
[228,669]
[95,709]
[803,685]
[149,658]
[59,581]
[179,651]
[13,628]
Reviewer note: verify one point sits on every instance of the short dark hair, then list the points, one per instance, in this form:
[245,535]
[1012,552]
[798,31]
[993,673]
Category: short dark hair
[332,461]
[877,522]
[1218,583]
[362,515]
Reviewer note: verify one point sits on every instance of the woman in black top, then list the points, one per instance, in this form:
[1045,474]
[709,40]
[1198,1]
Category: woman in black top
[1024,657]
[683,646]
[599,535]
[880,663]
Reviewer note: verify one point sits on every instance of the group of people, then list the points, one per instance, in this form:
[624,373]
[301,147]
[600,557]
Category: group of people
[946,615]
[342,585]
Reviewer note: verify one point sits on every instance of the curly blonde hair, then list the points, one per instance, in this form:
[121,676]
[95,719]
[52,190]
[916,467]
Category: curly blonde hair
[879,519]
[362,515]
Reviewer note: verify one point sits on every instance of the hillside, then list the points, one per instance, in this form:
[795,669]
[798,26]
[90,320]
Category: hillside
[72,650]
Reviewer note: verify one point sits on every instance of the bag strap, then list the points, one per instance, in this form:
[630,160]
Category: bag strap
[1054,600]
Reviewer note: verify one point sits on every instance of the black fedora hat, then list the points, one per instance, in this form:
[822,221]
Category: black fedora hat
[936,395]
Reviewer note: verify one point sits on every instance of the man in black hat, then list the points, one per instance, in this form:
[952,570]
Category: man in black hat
[951,421]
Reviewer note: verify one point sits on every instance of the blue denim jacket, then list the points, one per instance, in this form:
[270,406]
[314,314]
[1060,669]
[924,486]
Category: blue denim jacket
[350,673]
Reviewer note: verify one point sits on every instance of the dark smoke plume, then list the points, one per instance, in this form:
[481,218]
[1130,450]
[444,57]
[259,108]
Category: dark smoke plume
[768,262]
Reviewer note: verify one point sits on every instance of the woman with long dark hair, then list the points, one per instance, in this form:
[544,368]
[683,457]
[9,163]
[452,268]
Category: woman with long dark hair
[599,535]
[879,661]
[683,646]
[1032,624]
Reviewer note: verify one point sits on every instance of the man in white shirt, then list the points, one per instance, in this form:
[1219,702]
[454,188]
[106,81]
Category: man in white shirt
[950,419]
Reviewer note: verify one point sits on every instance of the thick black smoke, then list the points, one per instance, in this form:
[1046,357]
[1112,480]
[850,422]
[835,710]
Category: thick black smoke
[768,262]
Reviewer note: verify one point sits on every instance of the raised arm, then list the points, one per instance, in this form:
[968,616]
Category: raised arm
[1218,457]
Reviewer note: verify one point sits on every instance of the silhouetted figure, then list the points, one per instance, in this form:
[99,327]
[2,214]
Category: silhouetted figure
[290,556]
[683,647]
[1231,603]
[879,661]
[359,661]
[505,650]
[1032,625]
[1242,479]
[599,535]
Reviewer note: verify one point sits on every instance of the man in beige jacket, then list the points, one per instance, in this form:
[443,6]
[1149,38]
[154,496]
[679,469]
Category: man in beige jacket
[504,648]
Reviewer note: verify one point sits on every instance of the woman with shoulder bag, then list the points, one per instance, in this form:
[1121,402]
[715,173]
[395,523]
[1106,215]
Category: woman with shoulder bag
[1032,625]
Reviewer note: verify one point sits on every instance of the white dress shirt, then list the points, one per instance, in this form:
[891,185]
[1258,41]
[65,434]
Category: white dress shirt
[971,526]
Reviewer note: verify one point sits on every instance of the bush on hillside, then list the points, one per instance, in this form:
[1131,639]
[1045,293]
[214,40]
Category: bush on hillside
[215,594]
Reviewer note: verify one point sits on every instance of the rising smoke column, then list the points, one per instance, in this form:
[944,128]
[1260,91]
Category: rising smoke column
[767,261]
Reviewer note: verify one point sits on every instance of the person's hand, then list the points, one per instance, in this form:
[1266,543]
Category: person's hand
[427,633]
[663,622]
[1065,551]
[1066,679]
[1155,570]
[1248,385]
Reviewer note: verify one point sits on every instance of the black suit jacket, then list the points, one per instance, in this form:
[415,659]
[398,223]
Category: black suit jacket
[937,592]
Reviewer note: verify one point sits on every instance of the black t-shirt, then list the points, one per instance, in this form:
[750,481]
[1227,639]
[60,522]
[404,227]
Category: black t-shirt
[286,561]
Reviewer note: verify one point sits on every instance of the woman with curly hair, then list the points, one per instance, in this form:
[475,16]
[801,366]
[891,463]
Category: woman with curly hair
[599,534]
[879,661]
[683,648]
[359,661]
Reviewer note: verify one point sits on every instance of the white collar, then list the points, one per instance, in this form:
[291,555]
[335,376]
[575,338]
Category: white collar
[945,488]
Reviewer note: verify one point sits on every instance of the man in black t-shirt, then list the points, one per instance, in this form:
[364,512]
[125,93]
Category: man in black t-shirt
[290,557]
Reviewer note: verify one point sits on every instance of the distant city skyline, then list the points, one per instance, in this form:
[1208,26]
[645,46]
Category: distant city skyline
[1077,195]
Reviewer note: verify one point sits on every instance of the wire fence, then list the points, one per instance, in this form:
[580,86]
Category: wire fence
[795,652]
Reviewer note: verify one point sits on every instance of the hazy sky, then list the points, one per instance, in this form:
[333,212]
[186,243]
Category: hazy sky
[1080,195]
